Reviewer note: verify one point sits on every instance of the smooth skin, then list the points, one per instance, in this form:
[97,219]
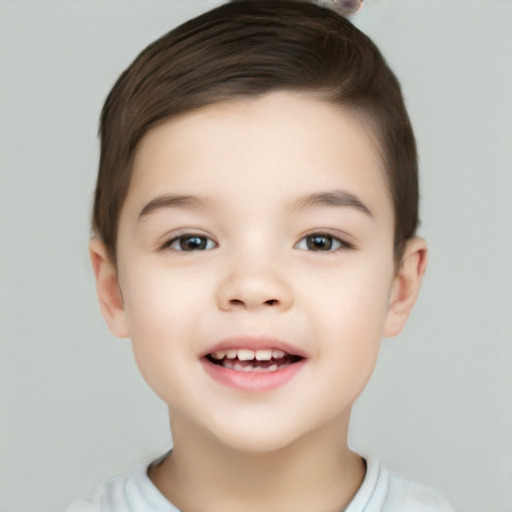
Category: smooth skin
[268,218]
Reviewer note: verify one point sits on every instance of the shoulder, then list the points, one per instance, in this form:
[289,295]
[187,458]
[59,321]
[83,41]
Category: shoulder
[383,491]
[125,493]
[107,498]
[404,495]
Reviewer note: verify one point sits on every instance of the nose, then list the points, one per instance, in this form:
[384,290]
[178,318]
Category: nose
[254,285]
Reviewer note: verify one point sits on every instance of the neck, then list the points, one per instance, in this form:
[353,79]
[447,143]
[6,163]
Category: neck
[316,472]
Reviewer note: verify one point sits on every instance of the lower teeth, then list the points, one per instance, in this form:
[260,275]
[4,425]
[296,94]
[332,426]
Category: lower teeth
[250,368]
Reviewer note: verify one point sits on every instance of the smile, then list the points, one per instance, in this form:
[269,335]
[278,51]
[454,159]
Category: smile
[253,369]
[247,360]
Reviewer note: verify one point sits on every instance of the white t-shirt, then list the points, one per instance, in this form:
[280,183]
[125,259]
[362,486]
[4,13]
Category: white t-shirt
[381,491]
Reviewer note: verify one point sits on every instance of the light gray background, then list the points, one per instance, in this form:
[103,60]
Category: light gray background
[73,407]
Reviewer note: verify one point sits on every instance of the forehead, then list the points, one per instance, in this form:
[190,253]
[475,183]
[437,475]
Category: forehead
[279,145]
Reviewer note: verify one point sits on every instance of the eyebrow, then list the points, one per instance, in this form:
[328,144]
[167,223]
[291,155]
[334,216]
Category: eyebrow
[171,201]
[334,198]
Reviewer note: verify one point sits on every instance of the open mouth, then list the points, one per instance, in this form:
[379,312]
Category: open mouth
[246,360]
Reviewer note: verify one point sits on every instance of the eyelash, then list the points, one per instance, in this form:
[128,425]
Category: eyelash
[313,238]
[204,243]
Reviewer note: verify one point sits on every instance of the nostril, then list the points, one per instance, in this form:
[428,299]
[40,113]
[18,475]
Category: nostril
[240,303]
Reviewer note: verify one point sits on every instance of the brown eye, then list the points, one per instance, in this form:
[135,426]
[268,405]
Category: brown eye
[191,243]
[320,242]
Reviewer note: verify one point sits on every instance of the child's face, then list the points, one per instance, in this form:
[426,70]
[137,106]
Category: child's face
[259,224]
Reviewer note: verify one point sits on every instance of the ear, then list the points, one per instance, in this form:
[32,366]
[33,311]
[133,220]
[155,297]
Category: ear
[406,285]
[107,289]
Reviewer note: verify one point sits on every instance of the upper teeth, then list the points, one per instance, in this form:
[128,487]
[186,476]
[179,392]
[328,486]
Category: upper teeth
[244,354]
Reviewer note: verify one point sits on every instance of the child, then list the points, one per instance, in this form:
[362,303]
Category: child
[254,220]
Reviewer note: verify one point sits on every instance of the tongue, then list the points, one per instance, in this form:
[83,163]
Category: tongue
[255,362]
[251,366]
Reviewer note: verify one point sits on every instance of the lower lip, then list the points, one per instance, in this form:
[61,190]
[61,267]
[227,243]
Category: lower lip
[252,381]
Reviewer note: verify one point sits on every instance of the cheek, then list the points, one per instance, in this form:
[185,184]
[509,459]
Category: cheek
[159,299]
[352,299]
[355,333]
[349,315]
[163,312]
[352,346]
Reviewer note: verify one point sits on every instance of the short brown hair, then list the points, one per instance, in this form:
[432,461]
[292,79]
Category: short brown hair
[246,49]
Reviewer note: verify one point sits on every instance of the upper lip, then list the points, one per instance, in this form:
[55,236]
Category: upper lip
[255,342]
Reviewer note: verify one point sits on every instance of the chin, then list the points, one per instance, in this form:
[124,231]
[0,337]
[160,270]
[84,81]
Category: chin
[257,444]
[258,437]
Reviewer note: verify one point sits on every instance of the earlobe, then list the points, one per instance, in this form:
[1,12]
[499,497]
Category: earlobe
[107,289]
[406,285]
